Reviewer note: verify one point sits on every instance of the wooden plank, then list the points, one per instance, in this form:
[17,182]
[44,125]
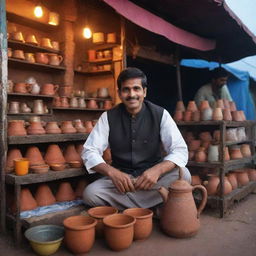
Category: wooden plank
[178,75]
[46,138]
[94,73]
[3,109]
[80,109]
[103,46]
[49,176]
[29,95]
[228,123]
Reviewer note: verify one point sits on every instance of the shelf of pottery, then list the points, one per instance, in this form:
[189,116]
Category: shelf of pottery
[221,152]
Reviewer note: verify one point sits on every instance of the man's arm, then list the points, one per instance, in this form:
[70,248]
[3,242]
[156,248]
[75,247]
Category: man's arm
[177,154]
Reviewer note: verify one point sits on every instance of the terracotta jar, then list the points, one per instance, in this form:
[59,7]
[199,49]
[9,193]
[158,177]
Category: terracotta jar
[38,107]
[49,89]
[220,104]
[79,126]
[64,102]
[205,136]
[14,107]
[216,135]
[226,154]
[201,155]
[242,178]
[242,115]
[180,106]
[11,155]
[196,115]
[88,125]
[194,145]
[204,104]
[81,103]
[81,185]
[206,114]
[16,128]
[54,59]
[178,115]
[235,152]
[52,128]
[227,187]
[54,155]
[251,174]
[67,127]
[21,88]
[70,154]
[99,213]
[65,91]
[236,116]
[226,104]
[34,156]
[227,114]
[233,180]
[195,180]
[191,155]
[27,201]
[180,216]
[65,192]
[143,224]
[212,184]
[79,233]
[79,148]
[189,136]
[206,144]
[119,231]
[73,103]
[187,116]
[213,153]
[107,104]
[217,114]
[35,128]
[232,106]
[24,108]
[44,195]
[245,150]
[41,57]
[192,106]
[56,102]
[92,104]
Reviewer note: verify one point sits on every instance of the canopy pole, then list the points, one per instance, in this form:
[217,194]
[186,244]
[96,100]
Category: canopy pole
[178,76]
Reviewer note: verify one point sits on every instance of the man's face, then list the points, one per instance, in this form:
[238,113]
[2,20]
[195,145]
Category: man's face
[132,94]
[219,82]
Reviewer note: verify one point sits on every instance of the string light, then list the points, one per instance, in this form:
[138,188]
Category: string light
[87,33]
[38,11]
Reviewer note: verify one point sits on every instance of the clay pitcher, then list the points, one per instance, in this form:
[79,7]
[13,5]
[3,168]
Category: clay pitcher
[49,89]
[44,195]
[180,217]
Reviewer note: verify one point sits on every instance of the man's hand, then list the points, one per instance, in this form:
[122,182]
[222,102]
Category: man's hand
[122,181]
[147,180]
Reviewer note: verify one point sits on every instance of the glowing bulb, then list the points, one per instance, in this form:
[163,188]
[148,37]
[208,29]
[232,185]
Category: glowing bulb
[38,11]
[87,33]
[53,19]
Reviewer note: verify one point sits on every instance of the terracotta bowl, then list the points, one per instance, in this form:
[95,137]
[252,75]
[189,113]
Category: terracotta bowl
[40,168]
[57,167]
[75,164]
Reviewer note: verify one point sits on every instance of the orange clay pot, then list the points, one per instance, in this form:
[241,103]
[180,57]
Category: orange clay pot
[235,152]
[21,166]
[16,128]
[233,180]
[242,178]
[34,156]
[187,116]
[11,155]
[245,150]
[65,192]
[192,106]
[212,184]
[44,195]
[180,106]
[88,125]
[204,104]
[196,115]
[178,115]
[227,114]
[195,180]
[200,155]
[67,127]
[217,114]
[232,106]
[54,155]
[70,154]
[82,184]
[27,201]
[227,187]
[251,174]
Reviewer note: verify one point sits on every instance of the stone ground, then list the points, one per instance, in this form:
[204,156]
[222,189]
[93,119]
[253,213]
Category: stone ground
[234,235]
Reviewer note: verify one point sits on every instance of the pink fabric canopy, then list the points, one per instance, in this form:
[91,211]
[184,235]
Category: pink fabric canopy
[157,25]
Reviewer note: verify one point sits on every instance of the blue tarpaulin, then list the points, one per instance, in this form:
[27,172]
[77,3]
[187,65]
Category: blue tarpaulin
[238,84]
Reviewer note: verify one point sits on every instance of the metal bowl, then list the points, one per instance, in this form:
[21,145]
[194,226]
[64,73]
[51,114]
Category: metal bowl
[45,239]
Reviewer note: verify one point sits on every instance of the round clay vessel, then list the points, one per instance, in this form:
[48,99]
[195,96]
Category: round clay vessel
[44,195]
[242,115]
[201,155]
[92,104]
[212,184]
[35,128]
[220,104]
[233,180]
[16,128]
[103,93]
[196,116]
[235,152]
[52,128]
[65,192]
[227,114]
[56,102]
[204,104]
[58,167]
[79,233]
[195,180]
[236,116]
[191,155]
[180,106]
[217,114]
[88,125]
[54,155]
[194,145]
[39,169]
[70,154]
[232,106]
[82,184]
[216,135]
[143,224]
[27,201]
[99,213]
[107,104]
[79,126]
[192,106]
[187,116]
[205,136]
[119,231]
[242,178]
[178,115]
[11,155]
[67,127]
[251,174]
[245,150]
[227,187]
[34,156]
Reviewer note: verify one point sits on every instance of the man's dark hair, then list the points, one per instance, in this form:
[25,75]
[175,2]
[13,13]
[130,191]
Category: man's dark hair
[219,72]
[129,73]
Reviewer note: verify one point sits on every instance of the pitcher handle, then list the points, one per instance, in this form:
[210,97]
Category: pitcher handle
[56,87]
[204,200]
[60,58]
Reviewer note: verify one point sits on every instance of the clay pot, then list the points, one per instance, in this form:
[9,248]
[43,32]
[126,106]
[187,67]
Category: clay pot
[242,178]
[79,126]
[82,184]
[206,144]
[194,145]
[16,128]
[65,192]
[34,156]
[88,125]
[70,154]
[79,233]
[103,93]
[119,231]
[236,116]
[67,127]
[206,114]
[235,152]
[79,148]
[54,155]
[217,114]
[21,88]
[226,154]
[178,115]
[73,102]
[64,102]
[220,104]
[11,155]
[191,155]
[56,102]
[195,180]
[192,106]
[203,105]
[216,135]
[81,102]
[52,128]
[213,153]
[35,128]
[187,116]
[107,156]
[212,184]
[92,104]
[38,107]
[143,224]
[21,166]
[180,106]
[196,115]
[200,155]
[99,213]
[226,104]
[107,104]
[205,136]
[41,57]
[233,180]
[245,150]
[251,174]
[65,91]
[27,201]
[189,136]
[242,115]
[227,114]
[232,106]
[44,195]
[227,187]
[49,89]
[14,107]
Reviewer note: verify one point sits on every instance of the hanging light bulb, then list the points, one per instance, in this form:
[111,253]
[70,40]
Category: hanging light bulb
[87,33]
[38,11]
[53,19]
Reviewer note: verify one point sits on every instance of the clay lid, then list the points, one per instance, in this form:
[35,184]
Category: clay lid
[181,185]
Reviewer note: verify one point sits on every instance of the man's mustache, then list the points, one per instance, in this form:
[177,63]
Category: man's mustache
[132,98]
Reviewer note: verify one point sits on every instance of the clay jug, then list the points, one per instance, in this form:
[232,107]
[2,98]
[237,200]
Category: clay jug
[49,89]
[107,104]
[235,152]
[204,104]
[41,57]
[212,184]
[70,154]
[227,187]
[11,155]
[35,128]
[251,174]
[82,184]
[54,155]
[67,127]
[65,192]
[79,126]
[192,106]
[14,107]
[242,178]
[217,114]
[56,102]
[187,116]
[180,106]
[27,201]
[52,128]
[178,115]
[227,114]
[21,88]
[201,155]
[195,180]
[245,150]
[88,125]
[180,217]
[16,128]
[44,195]
[34,156]
[92,104]
[233,180]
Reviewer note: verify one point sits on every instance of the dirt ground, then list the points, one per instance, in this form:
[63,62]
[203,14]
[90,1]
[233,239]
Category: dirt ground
[234,235]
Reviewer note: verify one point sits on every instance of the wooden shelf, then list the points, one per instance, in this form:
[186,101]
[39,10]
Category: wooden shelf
[36,66]
[44,177]
[98,99]
[29,47]
[28,114]
[216,123]
[99,61]
[94,73]
[46,138]
[30,95]
[79,109]
[230,143]
[104,46]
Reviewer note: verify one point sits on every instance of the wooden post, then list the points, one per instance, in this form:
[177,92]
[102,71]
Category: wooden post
[3,106]
[177,58]
[123,42]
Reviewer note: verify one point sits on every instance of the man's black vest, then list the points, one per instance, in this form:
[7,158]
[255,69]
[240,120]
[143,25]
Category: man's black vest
[135,141]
